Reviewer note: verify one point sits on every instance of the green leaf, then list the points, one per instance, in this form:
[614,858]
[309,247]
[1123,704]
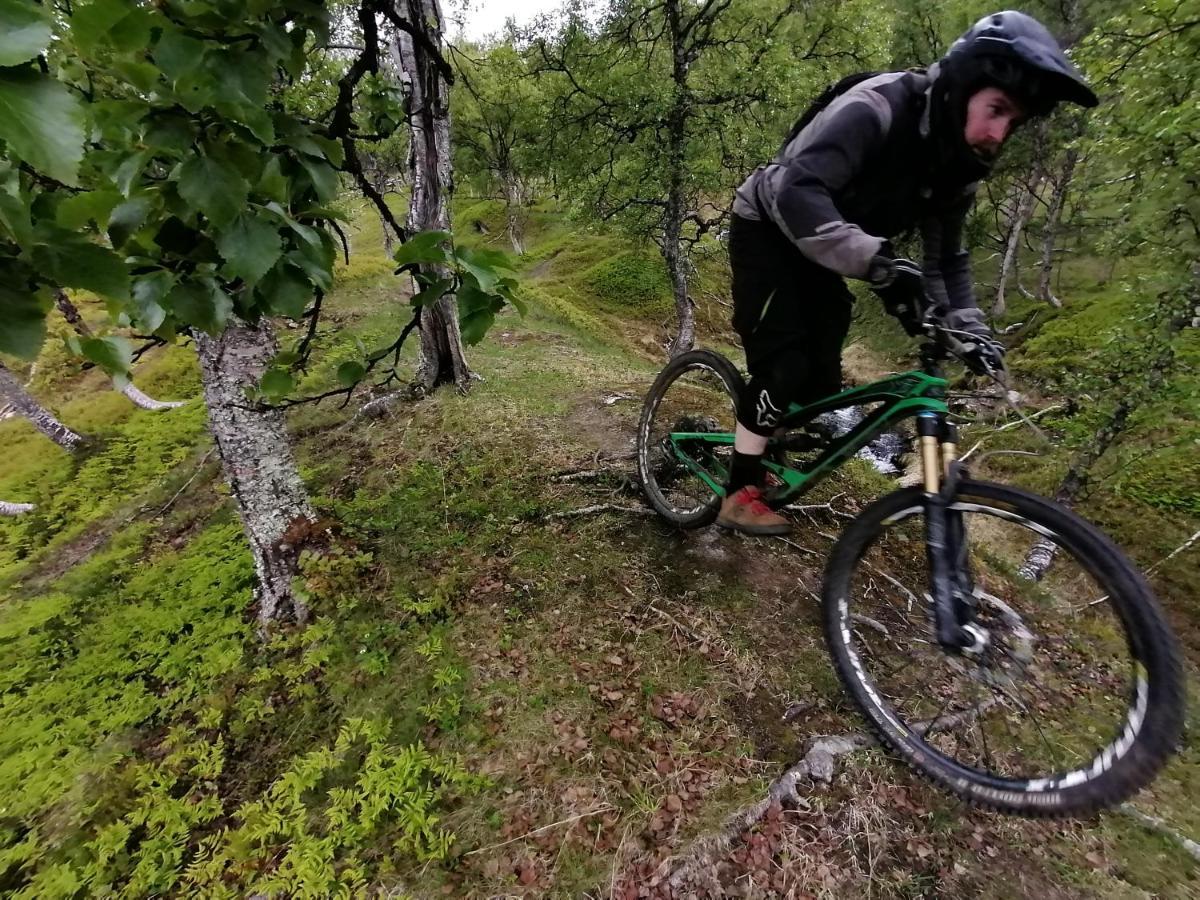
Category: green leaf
[91,22]
[112,354]
[128,218]
[274,183]
[201,303]
[24,31]
[285,291]
[81,264]
[90,206]
[485,265]
[142,75]
[172,133]
[251,247]
[432,292]
[22,322]
[316,261]
[475,325]
[14,205]
[476,312]
[323,177]
[423,248]
[214,188]
[351,373]
[42,123]
[177,54]
[277,383]
[130,170]
[149,293]
[334,152]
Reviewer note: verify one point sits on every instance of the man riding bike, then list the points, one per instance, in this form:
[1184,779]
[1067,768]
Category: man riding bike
[880,156]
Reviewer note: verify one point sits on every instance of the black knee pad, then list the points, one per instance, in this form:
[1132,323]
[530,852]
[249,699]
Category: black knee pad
[765,400]
[790,378]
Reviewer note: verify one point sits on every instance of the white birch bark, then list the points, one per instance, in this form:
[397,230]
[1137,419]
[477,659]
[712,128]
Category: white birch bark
[42,419]
[512,208]
[257,460]
[442,358]
[1009,264]
[1050,232]
[677,118]
[145,401]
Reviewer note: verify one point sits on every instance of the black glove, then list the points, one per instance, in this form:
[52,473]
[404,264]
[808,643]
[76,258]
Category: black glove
[982,353]
[899,285]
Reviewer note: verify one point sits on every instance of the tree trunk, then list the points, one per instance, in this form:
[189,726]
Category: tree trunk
[257,460]
[43,420]
[677,119]
[512,211]
[1050,232]
[1009,265]
[442,359]
[14,509]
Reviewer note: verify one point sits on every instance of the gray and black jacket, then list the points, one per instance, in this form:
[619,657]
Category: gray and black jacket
[863,171]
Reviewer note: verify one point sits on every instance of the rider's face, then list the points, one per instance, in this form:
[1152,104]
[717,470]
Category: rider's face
[991,117]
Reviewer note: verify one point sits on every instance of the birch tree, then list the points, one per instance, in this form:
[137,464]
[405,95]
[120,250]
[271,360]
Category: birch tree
[426,77]
[25,405]
[667,105]
[196,202]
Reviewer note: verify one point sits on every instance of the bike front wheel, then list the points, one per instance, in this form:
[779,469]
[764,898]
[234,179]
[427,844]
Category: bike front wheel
[1072,698]
[696,394]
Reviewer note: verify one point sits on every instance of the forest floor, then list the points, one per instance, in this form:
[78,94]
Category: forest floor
[621,687]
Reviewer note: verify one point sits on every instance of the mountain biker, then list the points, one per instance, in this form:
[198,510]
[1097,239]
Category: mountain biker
[893,151]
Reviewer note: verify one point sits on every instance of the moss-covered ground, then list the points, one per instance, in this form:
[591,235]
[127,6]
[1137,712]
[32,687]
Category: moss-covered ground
[495,697]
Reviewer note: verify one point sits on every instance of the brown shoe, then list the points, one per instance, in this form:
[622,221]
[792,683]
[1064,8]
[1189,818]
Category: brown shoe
[744,511]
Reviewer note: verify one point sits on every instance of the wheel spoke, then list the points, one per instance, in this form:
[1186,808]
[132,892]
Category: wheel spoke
[979,714]
[1057,681]
[937,719]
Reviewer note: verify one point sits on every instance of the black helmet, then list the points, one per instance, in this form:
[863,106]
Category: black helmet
[1017,53]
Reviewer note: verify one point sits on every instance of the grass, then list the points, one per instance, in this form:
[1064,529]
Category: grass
[583,688]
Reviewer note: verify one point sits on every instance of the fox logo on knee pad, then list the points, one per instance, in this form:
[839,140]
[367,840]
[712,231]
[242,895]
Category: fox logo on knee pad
[768,415]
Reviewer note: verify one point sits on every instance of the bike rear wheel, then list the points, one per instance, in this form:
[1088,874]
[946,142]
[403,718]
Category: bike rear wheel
[696,393]
[1073,701]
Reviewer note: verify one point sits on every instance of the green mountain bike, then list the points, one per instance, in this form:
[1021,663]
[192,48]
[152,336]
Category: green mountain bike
[998,643]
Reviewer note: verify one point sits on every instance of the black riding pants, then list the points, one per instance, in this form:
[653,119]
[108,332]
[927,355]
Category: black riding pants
[792,316]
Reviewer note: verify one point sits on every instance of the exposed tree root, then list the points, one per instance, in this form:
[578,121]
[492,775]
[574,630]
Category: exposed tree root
[1157,825]
[601,508]
[818,764]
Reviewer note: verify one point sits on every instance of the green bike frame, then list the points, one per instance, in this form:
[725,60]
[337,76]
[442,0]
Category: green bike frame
[904,395]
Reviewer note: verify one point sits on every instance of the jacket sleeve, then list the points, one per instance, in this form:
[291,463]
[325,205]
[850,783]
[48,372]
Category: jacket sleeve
[797,193]
[947,264]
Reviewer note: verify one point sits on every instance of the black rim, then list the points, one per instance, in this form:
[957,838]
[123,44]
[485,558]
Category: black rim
[696,399]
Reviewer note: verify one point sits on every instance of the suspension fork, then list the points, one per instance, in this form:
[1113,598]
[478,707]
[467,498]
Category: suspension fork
[945,537]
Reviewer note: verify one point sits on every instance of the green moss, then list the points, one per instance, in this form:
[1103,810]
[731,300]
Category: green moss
[634,281]
[130,462]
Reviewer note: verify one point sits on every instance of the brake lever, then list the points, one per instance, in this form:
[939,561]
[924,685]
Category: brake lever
[999,376]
